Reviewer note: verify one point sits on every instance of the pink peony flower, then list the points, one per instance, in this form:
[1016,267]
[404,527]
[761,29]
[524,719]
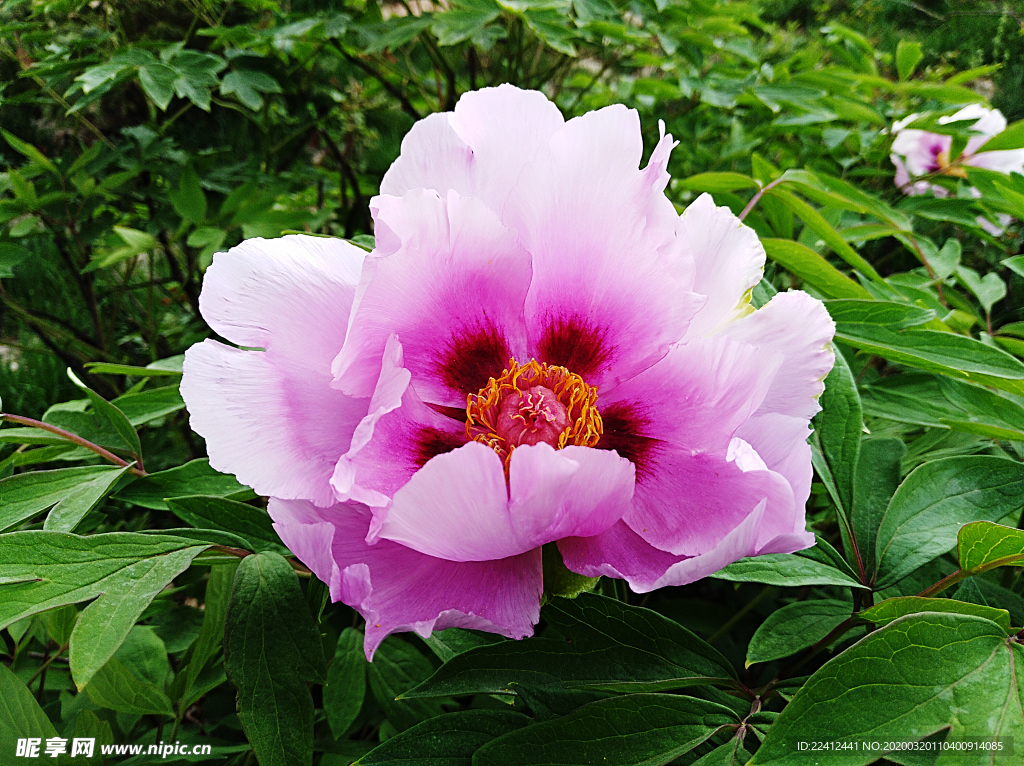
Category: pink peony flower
[539,350]
[917,153]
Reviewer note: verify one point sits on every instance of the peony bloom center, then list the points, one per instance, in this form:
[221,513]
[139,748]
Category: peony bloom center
[533,403]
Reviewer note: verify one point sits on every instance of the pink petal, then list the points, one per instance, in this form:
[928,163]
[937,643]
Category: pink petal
[395,439]
[607,299]
[728,258]
[271,417]
[453,290]
[456,507]
[687,504]
[397,589]
[479,149]
[571,491]
[796,326]
[696,397]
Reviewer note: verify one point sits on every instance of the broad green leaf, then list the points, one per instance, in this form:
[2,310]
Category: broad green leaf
[878,476]
[893,608]
[211,634]
[449,740]
[717,182]
[795,627]
[611,647]
[397,667]
[157,81]
[111,416]
[1011,138]
[898,316]
[813,269]
[132,681]
[60,622]
[988,289]
[983,545]
[346,682]
[787,570]
[910,679]
[934,501]
[21,718]
[249,85]
[730,754]
[932,350]
[194,478]
[10,256]
[70,492]
[188,199]
[145,406]
[458,25]
[553,27]
[135,243]
[40,570]
[27,150]
[908,56]
[817,223]
[104,368]
[210,512]
[271,649]
[621,731]
[447,643]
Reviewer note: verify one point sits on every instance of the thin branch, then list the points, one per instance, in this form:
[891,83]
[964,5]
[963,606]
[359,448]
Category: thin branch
[75,439]
[756,198]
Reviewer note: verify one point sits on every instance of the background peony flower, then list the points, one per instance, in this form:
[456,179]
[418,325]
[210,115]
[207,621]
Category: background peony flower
[539,350]
[918,153]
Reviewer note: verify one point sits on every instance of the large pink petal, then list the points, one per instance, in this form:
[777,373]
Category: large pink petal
[696,397]
[396,438]
[728,259]
[457,507]
[606,299]
[453,290]
[796,326]
[271,417]
[479,149]
[687,504]
[398,589]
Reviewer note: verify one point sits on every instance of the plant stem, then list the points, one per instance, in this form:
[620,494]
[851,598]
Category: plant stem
[74,438]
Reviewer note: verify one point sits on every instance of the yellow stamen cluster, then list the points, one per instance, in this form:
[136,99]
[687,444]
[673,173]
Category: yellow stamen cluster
[578,398]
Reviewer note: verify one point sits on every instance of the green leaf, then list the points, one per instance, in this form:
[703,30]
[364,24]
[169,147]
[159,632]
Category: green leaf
[447,643]
[458,25]
[71,492]
[621,731]
[188,199]
[10,256]
[249,85]
[60,622]
[396,668]
[983,545]
[271,648]
[144,406]
[40,570]
[893,608]
[157,81]
[988,289]
[908,56]
[813,269]
[195,477]
[109,415]
[554,28]
[934,501]
[27,150]
[878,476]
[135,243]
[932,350]
[105,368]
[21,717]
[450,740]
[1011,138]
[611,647]
[717,182]
[908,680]
[817,223]
[346,682]
[209,512]
[794,627]
[211,634]
[837,430]
[132,680]
[787,570]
